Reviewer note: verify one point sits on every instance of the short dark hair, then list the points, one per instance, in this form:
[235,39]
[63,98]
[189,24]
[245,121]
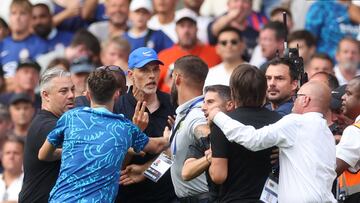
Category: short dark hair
[303,35]
[323,56]
[284,61]
[332,80]
[102,85]
[278,27]
[280,10]
[223,91]
[84,37]
[59,61]
[230,29]
[194,69]
[248,86]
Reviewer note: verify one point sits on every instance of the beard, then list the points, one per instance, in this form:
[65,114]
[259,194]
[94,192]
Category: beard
[42,30]
[174,96]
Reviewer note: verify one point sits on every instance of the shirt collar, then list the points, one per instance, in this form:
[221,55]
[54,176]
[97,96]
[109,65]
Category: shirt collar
[357,119]
[185,106]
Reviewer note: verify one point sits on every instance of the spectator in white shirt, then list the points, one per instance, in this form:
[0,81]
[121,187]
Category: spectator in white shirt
[12,176]
[307,146]
[348,58]
[230,47]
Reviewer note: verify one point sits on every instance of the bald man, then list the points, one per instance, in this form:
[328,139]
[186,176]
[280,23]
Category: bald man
[307,146]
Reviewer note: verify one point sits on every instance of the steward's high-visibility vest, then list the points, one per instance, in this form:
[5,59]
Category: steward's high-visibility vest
[349,182]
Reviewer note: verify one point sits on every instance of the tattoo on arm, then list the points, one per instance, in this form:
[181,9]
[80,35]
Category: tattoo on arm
[201,131]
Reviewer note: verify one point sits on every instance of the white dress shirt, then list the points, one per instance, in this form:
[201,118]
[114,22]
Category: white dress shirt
[307,153]
[348,149]
[10,193]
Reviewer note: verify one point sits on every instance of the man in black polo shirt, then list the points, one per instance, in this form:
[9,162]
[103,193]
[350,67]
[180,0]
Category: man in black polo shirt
[57,94]
[144,73]
[242,173]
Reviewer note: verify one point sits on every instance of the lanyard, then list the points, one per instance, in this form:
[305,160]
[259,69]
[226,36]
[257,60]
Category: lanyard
[174,130]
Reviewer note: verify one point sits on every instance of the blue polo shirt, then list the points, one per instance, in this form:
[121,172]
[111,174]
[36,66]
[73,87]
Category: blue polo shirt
[156,40]
[94,144]
[11,51]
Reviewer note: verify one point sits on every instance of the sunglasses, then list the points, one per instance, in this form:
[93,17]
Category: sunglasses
[232,42]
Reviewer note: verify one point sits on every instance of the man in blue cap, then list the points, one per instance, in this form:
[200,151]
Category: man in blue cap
[144,73]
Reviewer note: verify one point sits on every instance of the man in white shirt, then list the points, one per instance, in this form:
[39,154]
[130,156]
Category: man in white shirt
[230,47]
[348,150]
[12,177]
[307,146]
[348,57]
[164,19]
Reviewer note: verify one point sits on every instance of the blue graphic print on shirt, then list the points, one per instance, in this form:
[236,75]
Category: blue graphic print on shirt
[94,144]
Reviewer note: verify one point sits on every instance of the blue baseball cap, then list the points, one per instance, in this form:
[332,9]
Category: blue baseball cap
[142,56]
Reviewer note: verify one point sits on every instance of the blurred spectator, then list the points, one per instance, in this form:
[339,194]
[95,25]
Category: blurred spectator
[271,42]
[277,15]
[188,44]
[5,123]
[202,21]
[348,60]
[21,44]
[230,47]
[329,21]
[83,44]
[327,78]
[2,81]
[164,18]
[319,62]
[12,177]
[60,63]
[240,16]
[139,35]
[25,81]
[213,8]
[71,15]
[80,70]
[115,51]
[282,84]
[4,29]
[43,27]
[22,112]
[117,12]
[306,43]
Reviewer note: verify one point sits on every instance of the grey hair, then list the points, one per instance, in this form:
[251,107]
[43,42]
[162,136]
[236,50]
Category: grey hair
[50,74]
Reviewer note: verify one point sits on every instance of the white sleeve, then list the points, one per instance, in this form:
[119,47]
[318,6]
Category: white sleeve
[348,149]
[281,134]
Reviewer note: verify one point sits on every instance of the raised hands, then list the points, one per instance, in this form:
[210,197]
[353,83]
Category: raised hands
[141,117]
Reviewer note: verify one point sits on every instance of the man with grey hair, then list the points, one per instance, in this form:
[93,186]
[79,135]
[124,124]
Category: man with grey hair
[57,95]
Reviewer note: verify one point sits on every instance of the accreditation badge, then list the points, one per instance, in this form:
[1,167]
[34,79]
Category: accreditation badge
[159,167]
[270,190]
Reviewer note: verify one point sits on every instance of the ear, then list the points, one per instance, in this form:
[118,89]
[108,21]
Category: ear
[230,106]
[45,95]
[294,85]
[177,80]
[87,94]
[305,101]
[116,94]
